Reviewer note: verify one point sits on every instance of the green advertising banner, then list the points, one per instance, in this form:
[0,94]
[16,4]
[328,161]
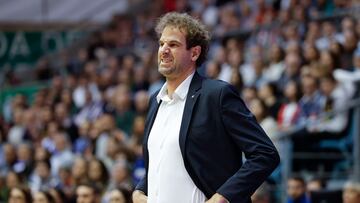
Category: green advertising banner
[25,47]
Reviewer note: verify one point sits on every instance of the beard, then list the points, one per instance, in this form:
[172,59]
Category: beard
[166,70]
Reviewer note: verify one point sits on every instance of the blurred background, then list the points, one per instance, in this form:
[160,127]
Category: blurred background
[76,76]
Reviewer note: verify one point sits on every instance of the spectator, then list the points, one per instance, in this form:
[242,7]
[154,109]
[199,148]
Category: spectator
[79,172]
[62,155]
[98,174]
[17,132]
[58,195]
[20,195]
[296,190]
[120,175]
[124,115]
[119,195]
[24,163]
[90,111]
[310,101]
[213,69]
[289,111]
[86,193]
[315,184]
[335,98]
[9,158]
[64,120]
[349,78]
[260,111]
[351,192]
[276,66]
[291,72]
[41,179]
[43,197]
[141,102]
[268,93]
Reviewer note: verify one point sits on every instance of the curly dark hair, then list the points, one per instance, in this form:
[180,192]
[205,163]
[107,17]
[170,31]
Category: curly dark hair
[195,32]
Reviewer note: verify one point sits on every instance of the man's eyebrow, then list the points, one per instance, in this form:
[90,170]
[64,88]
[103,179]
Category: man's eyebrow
[170,41]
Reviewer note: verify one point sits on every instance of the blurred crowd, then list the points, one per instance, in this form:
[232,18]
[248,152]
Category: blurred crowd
[81,136]
[313,190]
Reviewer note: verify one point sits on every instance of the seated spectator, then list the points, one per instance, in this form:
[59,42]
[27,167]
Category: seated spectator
[41,179]
[350,77]
[24,163]
[351,192]
[315,184]
[83,141]
[16,133]
[335,98]
[268,93]
[291,72]
[79,173]
[260,111]
[43,197]
[86,193]
[20,195]
[276,64]
[8,158]
[141,102]
[213,69]
[98,174]
[62,156]
[120,176]
[119,195]
[58,195]
[65,121]
[296,190]
[124,115]
[310,101]
[91,110]
[290,110]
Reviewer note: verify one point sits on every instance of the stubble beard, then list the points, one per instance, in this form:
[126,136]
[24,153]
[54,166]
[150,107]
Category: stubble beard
[166,71]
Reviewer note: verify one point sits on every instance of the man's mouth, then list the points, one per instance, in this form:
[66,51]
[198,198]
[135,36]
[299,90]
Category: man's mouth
[166,60]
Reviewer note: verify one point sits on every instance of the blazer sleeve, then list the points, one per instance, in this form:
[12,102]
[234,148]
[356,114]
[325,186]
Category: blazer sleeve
[261,155]
[142,185]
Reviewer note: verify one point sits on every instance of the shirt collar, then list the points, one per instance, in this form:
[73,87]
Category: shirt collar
[180,92]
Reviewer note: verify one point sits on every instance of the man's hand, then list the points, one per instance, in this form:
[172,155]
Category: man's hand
[139,197]
[217,198]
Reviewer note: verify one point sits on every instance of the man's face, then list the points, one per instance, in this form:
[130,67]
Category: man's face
[295,189]
[85,195]
[351,196]
[174,59]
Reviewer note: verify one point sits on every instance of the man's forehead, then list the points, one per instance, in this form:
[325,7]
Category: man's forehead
[173,28]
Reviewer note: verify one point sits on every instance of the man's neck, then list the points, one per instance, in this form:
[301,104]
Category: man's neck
[173,83]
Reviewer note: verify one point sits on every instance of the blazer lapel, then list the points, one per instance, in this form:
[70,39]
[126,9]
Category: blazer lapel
[191,99]
[151,116]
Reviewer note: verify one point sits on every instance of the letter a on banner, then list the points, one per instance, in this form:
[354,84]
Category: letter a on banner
[19,46]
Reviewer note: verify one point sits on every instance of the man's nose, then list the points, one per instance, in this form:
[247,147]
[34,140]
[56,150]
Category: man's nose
[164,49]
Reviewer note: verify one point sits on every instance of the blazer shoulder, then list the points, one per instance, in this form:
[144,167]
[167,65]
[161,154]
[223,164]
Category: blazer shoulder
[216,85]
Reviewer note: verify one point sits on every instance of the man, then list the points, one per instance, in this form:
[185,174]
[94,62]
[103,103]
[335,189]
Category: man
[351,192]
[197,128]
[86,193]
[296,190]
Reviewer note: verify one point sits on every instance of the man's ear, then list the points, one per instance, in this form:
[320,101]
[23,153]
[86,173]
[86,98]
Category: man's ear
[195,52]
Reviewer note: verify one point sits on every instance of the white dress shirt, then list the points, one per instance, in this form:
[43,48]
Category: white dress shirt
[168,180]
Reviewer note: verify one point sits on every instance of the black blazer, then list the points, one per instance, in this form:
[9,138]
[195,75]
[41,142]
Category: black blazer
[216,128]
